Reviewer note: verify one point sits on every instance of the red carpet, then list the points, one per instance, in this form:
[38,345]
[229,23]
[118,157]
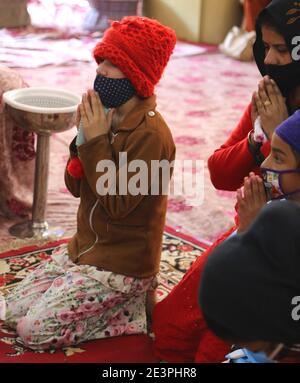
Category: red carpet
[178,252]
[138,350]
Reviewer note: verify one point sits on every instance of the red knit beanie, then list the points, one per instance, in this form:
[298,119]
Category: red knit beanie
[140,47]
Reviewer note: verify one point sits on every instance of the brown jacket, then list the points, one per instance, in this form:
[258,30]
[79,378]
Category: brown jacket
[122,233]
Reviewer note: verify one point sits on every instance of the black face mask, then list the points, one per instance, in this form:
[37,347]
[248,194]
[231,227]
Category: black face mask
[113,92]
[282,16]
[287,77]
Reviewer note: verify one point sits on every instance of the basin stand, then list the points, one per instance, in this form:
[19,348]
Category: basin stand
[37,227]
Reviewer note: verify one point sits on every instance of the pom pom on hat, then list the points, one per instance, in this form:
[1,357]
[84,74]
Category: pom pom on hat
[75,168]
[140,47]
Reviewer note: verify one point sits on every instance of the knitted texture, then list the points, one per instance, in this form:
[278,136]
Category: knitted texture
[140,47]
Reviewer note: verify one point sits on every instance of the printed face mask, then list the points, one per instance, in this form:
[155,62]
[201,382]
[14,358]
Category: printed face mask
[113,92]
[273,182]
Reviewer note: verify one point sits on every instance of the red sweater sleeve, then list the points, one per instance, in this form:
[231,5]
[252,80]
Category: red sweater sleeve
[233,161]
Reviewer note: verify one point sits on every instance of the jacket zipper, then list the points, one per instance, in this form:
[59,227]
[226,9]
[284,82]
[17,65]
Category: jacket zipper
[92,228]
[114,135]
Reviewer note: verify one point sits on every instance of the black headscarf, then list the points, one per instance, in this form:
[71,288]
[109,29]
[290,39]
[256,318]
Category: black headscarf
[285,17]
[249,281]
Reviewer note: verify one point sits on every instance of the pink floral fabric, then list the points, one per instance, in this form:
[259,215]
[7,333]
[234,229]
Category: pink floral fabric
[61,304]
[17,155]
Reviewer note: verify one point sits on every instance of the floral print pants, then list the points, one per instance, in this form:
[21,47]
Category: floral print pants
[61,304]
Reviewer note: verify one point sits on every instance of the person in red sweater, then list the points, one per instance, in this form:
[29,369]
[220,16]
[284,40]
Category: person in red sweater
[250,283]
[273,51]
[181,333]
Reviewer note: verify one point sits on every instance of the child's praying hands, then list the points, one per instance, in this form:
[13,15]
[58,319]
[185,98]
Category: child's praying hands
[250,198]
[95,121]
